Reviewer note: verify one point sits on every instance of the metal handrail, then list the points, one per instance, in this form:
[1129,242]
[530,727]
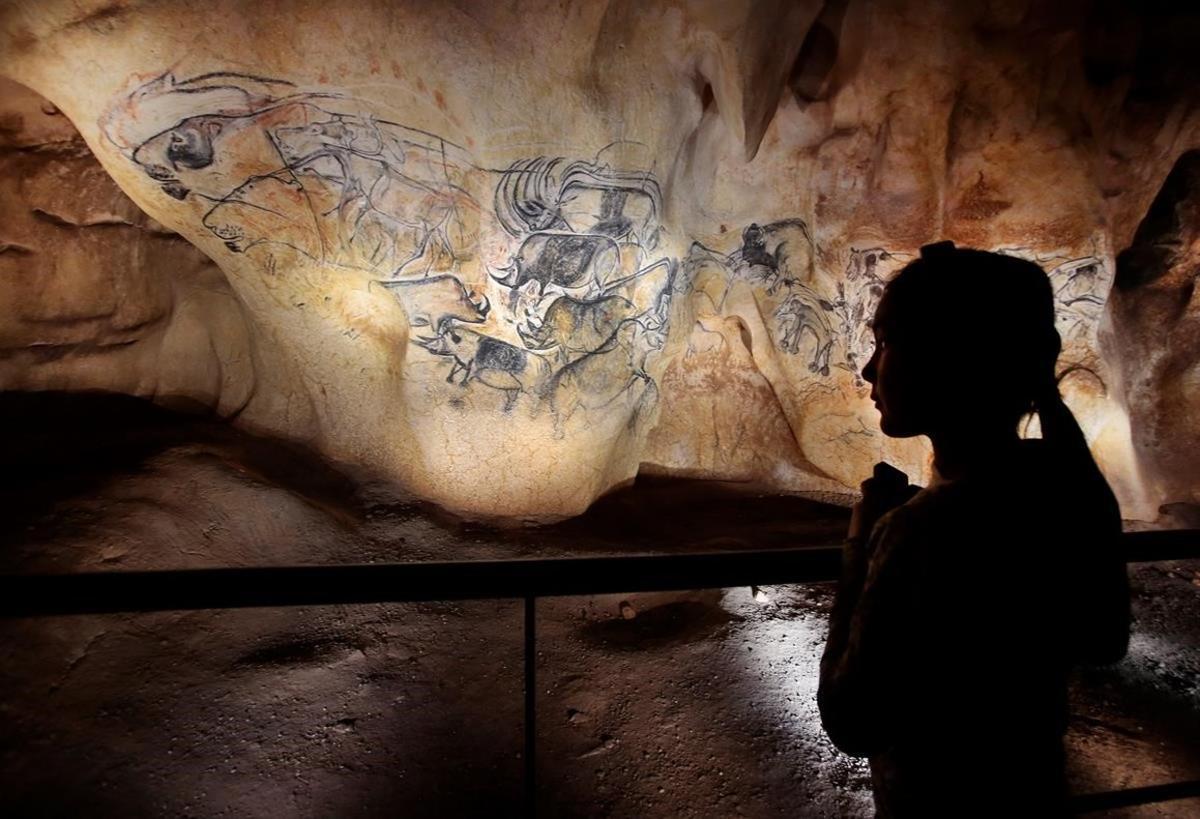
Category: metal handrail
[187,589]
[40,595]
[1131,797]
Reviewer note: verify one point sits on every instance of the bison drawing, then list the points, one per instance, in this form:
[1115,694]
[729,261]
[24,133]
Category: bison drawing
[779,254]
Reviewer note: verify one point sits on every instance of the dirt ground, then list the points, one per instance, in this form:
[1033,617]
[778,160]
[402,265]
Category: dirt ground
[700,705]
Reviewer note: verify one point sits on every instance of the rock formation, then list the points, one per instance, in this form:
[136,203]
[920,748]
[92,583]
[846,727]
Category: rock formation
[97,295]
[511,254]
[1156,332]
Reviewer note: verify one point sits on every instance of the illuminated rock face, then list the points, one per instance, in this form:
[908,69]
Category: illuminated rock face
[510,256]
[1156,318]
[96,294]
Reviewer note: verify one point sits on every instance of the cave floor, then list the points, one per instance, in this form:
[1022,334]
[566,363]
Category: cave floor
[700,705]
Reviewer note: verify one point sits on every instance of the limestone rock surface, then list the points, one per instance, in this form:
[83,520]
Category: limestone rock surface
[510,255]
[1156,333]
[96,294]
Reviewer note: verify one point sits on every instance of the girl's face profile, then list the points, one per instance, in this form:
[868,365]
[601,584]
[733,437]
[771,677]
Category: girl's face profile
[960,348]
[902,386]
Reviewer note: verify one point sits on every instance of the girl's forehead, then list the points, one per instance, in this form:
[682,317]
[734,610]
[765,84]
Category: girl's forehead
[902,317]
[885,314]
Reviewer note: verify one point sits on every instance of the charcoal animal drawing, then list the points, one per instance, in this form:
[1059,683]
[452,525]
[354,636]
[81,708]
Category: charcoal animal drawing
[272,169]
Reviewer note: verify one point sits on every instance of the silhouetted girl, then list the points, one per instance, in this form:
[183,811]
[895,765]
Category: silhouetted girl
[963,605]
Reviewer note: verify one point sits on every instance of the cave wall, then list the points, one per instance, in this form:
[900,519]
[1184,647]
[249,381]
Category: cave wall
[1155,313]
[97,295]
[511,256]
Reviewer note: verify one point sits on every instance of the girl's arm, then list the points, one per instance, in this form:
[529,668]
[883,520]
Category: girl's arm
[858,696]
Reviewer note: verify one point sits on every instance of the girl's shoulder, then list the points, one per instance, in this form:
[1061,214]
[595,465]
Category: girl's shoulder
[977,510]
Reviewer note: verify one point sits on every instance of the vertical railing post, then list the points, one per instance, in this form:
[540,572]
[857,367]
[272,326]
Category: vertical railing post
[530,708]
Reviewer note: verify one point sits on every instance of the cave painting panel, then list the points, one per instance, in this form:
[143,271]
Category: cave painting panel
[569,309]
[818,326]
[580,300]
[1081,285]
[272,165]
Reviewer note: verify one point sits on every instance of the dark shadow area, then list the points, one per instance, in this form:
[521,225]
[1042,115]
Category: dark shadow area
[56,446]
[655,513]
[290,650]
[683,621]
[60,446]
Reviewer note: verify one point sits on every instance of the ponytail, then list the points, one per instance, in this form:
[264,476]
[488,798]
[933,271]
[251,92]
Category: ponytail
[1096,602]
[1062,433]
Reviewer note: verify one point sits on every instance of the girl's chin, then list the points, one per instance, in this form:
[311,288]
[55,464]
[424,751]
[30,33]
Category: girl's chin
[894,428]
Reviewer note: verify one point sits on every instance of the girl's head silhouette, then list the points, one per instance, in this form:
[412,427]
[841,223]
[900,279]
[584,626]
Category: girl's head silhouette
[965,345]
